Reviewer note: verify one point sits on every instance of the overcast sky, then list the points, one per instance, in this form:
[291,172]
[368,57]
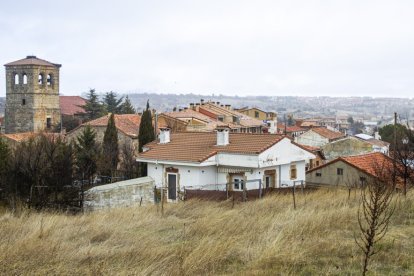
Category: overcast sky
[305,48]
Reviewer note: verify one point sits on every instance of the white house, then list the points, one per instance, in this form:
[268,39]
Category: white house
[318,136]
[223,161]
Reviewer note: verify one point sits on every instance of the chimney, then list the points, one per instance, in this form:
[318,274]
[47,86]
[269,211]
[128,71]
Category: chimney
[223,135]
[164,135]
[202,101]
[228,106]
[191,105]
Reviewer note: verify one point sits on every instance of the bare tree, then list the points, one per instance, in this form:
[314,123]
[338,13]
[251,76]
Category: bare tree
[374,214]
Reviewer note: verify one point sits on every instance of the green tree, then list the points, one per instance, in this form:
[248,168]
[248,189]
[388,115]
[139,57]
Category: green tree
[4,164]
[112,103]
[145,134]
[387,133]
[350,120]
[110,147]
[127,107]
[93,107]
[87,153]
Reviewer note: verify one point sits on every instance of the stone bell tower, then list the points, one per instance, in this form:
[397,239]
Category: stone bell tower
[32,96]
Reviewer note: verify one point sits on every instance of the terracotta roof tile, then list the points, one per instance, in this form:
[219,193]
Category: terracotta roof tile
[370,163]
[289,129]
[127,123]
[24,136]
[375,163]
[331,135]
[71,105]
[199,146]
[32,60]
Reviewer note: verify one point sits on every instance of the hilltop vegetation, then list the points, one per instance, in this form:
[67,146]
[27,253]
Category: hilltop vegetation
[258,237]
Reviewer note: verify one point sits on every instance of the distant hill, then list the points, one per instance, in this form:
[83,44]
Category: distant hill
[366,107]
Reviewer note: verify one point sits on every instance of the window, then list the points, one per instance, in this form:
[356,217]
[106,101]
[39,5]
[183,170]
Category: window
[23,101]
[293,171]
[363,180]
[49,79]
[256,114]
[238,183]
[220,118]
[40,79]
[48,122]
[24,79]
[16,78]
[317,163]
[340,171]
[318,174]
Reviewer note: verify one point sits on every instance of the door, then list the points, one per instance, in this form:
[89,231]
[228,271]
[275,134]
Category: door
[268,181]
[172,186]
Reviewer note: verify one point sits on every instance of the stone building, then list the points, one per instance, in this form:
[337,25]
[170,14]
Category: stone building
[32,95]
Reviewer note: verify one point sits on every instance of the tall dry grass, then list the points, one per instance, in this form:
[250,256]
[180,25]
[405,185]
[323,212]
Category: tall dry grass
[254,238]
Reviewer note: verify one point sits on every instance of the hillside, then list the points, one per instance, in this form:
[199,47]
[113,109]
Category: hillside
[254,238]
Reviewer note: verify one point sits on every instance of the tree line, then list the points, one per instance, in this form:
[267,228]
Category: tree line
[46,171]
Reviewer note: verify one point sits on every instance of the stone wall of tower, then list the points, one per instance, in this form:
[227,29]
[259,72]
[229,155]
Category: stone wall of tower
[29,105]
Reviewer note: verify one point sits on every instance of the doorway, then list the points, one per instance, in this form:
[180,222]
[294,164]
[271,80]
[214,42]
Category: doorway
[172,186]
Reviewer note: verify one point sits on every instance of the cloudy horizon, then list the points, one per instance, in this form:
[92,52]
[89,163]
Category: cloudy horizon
[270,48]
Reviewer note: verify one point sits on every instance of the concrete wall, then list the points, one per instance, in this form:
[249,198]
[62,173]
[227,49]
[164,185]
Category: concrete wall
[311,138]
[329,176]
[120,194]
[346,147]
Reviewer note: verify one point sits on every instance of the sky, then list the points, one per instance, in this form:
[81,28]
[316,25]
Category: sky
[230,47]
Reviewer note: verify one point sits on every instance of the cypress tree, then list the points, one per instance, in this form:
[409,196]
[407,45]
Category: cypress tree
[145,135]
[146,129]
[110,146]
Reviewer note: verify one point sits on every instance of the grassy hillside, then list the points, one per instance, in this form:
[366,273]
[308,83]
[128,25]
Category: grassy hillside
[254,238]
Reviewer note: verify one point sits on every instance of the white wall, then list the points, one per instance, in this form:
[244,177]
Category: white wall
[313,139]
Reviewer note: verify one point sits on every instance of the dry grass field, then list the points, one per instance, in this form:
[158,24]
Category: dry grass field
[262,237]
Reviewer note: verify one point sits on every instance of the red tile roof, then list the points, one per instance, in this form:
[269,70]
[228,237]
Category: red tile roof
[374,164]
[127,123]
[289,129]
[199,146]
[32,60]
[24,136]
[331,135]
[71,105]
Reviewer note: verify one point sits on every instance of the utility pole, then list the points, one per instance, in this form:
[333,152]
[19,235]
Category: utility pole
[394,174]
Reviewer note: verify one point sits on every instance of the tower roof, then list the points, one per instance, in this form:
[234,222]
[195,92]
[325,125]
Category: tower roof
[33,60]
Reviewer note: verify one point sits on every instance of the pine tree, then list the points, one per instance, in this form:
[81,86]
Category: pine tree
[127,107]
[145,135]
[112,104]
[87,153]
[110,147]
[94,109]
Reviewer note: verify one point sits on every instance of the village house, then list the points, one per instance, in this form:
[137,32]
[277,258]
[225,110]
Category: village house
[126,124]
[1,125]
[223,161]
[351,171]
[292,131]
[258,114]
[13,139]
[318,136]
[354,145]
[207,116]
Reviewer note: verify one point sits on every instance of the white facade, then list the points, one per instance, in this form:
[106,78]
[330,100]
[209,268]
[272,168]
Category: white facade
[280,166]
